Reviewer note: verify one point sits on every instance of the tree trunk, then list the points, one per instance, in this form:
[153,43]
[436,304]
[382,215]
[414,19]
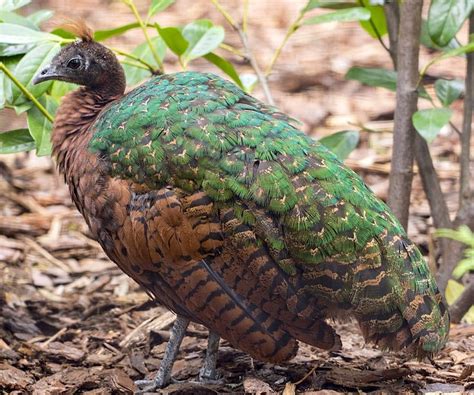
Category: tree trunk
[401,173]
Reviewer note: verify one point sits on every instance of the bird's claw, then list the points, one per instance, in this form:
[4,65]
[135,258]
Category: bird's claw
[148,386]
[209,376]
[155,384]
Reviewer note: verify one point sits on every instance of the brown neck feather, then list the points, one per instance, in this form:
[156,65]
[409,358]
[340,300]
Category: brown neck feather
[77,112]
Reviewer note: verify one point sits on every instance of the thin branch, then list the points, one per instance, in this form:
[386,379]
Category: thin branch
[245,16]
[431,185]
[253,62]
[225,14]
[143,26]
[248,51]
[401,174]
[462,304]
[231,49]
[465,187]
[26,92]
[133,64]
[293,27]
[392,15]
[135,58]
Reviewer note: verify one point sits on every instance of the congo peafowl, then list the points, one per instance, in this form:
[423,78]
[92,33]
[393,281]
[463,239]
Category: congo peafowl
[233,218]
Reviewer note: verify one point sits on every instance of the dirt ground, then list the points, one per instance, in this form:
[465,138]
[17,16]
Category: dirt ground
[71,322]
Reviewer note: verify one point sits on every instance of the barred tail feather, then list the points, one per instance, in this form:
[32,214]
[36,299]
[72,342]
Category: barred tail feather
[408,312]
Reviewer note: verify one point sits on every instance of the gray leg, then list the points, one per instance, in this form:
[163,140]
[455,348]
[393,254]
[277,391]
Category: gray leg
[163,376]
[208,372]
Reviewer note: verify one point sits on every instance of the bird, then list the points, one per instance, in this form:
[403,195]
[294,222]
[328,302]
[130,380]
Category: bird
[231,217]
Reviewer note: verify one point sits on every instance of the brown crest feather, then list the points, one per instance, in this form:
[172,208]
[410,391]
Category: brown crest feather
[79,28]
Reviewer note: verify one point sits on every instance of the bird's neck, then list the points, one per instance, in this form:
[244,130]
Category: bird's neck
[77,112]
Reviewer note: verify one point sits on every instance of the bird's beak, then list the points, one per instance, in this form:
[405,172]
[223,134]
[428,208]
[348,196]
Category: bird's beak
[48,73]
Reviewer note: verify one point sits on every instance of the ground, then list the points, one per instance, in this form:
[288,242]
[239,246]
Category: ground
[71,322]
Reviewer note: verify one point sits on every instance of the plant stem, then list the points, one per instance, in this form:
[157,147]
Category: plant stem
[135,58]
[293,27]
[465,187]
[26,92]
[143,26]
[401,174]
[245,16]
[392,15]
[248,51]
[231,49]
[225,14]
[462,304]
[377,33]
[133,64]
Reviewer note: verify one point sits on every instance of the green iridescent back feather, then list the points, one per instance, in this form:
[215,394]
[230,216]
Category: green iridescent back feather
[199,132]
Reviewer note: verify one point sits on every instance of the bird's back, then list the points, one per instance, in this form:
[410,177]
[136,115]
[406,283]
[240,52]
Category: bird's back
[260,216]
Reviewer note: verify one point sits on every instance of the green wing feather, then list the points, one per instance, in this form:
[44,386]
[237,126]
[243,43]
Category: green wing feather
[199,132]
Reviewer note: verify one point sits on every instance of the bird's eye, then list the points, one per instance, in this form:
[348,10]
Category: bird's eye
[74,63]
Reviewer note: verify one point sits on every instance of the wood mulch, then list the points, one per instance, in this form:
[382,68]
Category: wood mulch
[72,323]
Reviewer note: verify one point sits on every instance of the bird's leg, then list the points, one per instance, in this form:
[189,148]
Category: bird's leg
[163,376]
[208,372]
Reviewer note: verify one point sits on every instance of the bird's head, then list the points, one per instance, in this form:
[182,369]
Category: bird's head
[85,62]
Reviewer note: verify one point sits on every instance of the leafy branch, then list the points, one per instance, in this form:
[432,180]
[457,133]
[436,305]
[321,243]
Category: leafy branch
[26,92]
[291,30]
[137,59]
[143,26]
[248,51]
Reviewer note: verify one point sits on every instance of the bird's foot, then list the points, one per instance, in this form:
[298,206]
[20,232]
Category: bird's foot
[155,384]
[209,376]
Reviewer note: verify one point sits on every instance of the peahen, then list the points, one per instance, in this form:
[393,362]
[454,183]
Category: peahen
[233,218]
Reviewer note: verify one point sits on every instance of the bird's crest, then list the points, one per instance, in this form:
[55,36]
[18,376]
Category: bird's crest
[79,28]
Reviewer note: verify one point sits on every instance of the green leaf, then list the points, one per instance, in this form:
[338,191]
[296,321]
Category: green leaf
[225,66]
[445,18]
[10,63]
[136,74]
[334,5]
[429,122]
[463,234]
[428,42]
[59,89]
[174,39]
[202,37]
[377,20]
[341,143]
[345,15]
[16,34]
[18,140]
[101,35]
[40,127]
[28,67]
[464,266]
[448,90]
[63,33]
[374,77]
[10,5]
[15,19]
[21,108]
[40,16]
[158,6]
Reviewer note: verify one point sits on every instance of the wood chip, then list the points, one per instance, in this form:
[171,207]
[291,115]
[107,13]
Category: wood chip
[12,378]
